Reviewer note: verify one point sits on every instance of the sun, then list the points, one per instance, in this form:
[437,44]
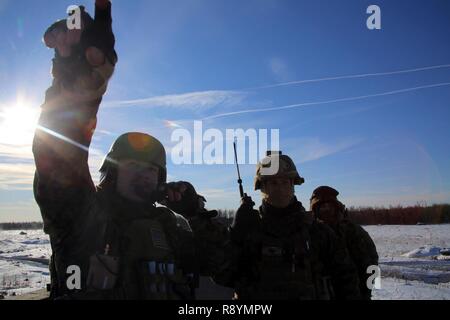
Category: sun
[18,122]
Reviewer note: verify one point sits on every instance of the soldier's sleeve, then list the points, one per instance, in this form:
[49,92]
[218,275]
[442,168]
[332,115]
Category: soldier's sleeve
[213,248]
[364,253]
[366,247]
[60,147]
[344,276]
[240,254]
[240,269]
[212,245]
[103,36]
[66,125]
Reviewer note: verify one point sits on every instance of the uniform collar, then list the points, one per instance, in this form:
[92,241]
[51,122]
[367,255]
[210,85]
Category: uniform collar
[270,211]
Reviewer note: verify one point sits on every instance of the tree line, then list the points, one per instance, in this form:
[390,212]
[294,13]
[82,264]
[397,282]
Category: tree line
[410,215]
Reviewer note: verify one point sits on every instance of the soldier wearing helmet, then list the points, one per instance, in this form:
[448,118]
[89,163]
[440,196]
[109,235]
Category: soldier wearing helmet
[277,189]
[327,208]
[120,239]
[280,251]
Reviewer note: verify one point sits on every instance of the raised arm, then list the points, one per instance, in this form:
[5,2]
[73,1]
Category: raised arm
[60,148]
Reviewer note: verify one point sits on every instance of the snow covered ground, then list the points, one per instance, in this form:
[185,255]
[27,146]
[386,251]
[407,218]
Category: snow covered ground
[412,266]
[410,261]
[23,261]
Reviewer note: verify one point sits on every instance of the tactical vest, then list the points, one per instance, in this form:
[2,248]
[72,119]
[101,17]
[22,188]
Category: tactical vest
[143,260]
[285,265]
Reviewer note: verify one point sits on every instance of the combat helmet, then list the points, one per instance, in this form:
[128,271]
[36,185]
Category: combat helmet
[286,168]
[137,146]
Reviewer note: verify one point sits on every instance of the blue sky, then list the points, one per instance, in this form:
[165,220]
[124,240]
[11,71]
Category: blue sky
[380,140]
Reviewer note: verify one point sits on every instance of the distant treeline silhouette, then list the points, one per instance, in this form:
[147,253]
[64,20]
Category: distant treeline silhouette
[439,213]
[21,226]
[418,214]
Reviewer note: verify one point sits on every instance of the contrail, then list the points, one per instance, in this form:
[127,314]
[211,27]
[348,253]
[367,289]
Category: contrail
[213,97]
[354,76]
[292,106]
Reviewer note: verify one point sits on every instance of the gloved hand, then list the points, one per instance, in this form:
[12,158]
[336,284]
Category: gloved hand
[247,202]
[59,37]
[79,51]
[102,3]
[245,220]
[182,198]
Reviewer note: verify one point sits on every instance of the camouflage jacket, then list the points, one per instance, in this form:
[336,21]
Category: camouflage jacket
[362,251]
[288,255]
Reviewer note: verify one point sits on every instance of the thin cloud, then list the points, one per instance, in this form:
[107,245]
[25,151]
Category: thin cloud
[360,173]
[206,99]
[191,100]
[311,149]
[104,132]
[212,193]
[353,76]
[16,176]
[305,104]
[16,152]
[279,69]
[220,198]
[17,167]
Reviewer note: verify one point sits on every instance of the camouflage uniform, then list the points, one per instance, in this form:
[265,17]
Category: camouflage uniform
[142,251]
[359,244]
[286,254]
